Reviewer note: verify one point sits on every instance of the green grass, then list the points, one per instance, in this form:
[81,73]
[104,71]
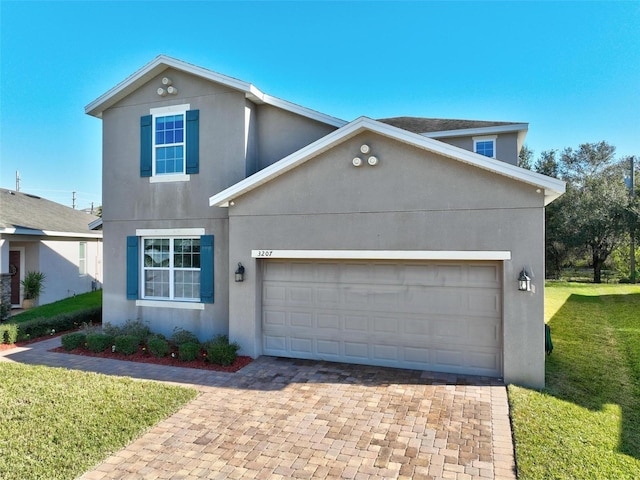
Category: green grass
[586,423]
[67,305]
[58,424]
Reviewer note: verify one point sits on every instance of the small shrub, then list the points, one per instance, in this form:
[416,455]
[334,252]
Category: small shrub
[127,344]
[137,328]
[8,333]
[159,347]
[221,352]
[181,336]
[71,341]
[188,351]
[99,342]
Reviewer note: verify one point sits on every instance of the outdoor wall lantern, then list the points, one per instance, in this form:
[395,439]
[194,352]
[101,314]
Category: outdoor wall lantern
[240,273]
[524,281]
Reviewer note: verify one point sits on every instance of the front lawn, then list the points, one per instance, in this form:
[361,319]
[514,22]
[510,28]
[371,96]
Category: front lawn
[84,301]
[586,423]
[58,424]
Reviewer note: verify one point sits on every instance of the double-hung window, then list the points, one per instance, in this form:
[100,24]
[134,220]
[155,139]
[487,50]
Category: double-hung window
[171,268]
[169,143]
[485,145]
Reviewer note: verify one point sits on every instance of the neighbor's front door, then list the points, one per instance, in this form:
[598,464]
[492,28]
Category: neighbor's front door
[14,270]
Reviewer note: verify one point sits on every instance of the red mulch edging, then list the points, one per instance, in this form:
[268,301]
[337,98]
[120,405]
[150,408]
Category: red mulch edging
[142,356]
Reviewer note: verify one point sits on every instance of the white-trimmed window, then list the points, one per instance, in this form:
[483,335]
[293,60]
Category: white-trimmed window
[485,145]
[171,268]
[82,258]
[169,143]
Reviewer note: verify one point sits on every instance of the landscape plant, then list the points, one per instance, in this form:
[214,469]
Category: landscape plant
[33,285]
[188,351]
[220,351]
[158,346]
[99,342]
[126,344]
[74,340]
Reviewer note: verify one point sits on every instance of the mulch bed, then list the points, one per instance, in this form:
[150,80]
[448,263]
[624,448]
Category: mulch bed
[143,356]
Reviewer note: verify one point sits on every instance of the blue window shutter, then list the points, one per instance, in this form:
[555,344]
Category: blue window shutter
[193,141]
[206,269]
[146,147]
[133,260]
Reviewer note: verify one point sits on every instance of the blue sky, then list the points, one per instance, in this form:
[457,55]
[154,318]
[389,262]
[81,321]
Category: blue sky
[569,69]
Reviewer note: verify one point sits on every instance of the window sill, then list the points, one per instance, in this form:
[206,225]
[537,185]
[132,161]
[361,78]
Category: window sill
[170,304]
[169,178]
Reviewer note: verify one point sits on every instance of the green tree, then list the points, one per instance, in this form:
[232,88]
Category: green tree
[594,206]
[525,158]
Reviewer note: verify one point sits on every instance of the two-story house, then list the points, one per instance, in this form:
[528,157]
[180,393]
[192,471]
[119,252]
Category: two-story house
[395,242]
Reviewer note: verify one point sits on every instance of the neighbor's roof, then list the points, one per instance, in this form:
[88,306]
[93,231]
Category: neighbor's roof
[24,214]
[446,127]
[163,62]
[552,187]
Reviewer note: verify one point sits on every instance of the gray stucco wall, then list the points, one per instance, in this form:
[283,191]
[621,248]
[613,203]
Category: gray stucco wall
[506,145]
[282,133]
[412,200]
[131,202]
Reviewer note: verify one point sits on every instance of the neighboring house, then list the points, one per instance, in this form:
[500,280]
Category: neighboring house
[40,235]
[385,242]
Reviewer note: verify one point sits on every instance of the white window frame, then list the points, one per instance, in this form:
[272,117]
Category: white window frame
[486,138]
[171,234]
[163,112]
[82,259]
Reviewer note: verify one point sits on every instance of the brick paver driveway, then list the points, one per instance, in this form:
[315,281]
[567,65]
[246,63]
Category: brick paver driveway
[281,418]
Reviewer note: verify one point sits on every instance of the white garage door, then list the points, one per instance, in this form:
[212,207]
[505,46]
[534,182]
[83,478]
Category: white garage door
[441,316]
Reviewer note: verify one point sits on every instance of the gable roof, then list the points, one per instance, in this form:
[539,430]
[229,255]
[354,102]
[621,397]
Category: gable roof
[24,214]
[552,187]
[447,127]
[163,62]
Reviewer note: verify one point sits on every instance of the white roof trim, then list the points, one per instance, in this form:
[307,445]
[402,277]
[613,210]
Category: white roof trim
[47,233]
[163,62]
[384,254]
[463,132]
[552,187]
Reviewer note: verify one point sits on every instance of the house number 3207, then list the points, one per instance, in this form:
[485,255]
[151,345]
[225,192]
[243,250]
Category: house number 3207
[265,253]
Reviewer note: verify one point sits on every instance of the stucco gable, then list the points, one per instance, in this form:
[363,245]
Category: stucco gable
[162,62]
[552,187]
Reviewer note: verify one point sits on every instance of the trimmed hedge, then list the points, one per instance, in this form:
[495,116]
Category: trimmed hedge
[71,341]
[127,344]
[221,352]
[40,327]
[99,342]
[188,351]
[158,347]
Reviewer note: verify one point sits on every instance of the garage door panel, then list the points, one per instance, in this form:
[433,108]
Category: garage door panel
[431,315]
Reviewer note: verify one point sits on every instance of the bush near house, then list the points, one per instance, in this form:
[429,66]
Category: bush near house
[183,344]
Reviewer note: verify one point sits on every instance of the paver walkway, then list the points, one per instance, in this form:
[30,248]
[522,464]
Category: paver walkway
[283,418]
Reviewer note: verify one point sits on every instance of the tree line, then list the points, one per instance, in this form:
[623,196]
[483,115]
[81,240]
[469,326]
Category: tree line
[597,220]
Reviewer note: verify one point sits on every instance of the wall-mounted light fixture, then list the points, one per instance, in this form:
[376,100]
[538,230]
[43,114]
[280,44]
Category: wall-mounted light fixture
[240,273]
[524,281]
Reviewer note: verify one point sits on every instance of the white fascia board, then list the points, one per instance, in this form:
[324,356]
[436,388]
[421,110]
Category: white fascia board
[163,62]
[47,233]
[470,255]
[552,187]
[464,132]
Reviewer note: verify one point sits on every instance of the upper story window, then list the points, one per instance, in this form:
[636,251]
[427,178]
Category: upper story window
[485,145]
[169,143]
